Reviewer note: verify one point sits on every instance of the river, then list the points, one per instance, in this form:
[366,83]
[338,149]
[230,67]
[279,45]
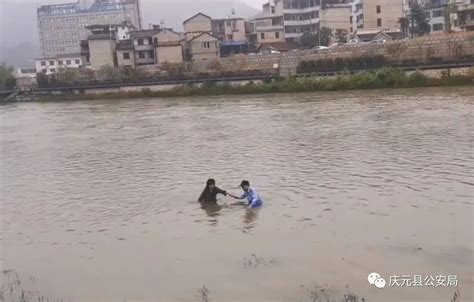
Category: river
[98,198]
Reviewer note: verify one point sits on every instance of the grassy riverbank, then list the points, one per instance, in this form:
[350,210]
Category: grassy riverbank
[385,78]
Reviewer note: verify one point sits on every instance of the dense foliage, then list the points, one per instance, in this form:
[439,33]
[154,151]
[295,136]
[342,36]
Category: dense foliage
[7,79]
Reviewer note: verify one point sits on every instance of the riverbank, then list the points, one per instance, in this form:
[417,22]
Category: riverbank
[380,79]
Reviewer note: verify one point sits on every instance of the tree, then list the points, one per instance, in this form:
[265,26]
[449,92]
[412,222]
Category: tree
[450,9]
[310,40]
[7,79]
[326,34]
[68,75]
[419,23]
[341,35]
[404,25]
[110,73]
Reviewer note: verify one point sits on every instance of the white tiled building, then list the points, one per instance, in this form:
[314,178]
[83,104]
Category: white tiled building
[62,26]
[52,64]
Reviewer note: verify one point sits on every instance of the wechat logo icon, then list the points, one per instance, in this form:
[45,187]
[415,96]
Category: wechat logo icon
[376,280]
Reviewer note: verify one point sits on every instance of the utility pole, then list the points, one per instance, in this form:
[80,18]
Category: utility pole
[320,20]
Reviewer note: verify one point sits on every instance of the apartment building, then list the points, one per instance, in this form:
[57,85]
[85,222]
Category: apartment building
[338,16]
[288,20]
[144,48]
[465,12]
[435,12]
[232,34]
[268,26]
[383,14]
[62,26]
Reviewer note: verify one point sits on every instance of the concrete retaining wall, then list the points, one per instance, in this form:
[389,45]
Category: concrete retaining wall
[441,47]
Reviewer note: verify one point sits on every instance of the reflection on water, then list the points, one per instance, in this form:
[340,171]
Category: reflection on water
[98,197]
[212,210]
[250,218]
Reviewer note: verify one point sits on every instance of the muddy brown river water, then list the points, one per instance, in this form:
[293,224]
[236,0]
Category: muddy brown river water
[98,198]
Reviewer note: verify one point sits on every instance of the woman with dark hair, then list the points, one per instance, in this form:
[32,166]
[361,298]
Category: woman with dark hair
[210,192]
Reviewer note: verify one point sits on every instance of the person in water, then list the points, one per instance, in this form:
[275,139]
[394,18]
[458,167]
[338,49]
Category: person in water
[250,194]
[210,192]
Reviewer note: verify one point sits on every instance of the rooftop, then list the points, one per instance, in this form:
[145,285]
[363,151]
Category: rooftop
[144,33]
[76,8]
[61,56]
[125,45]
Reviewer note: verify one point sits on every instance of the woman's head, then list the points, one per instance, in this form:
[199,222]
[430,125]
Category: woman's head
[211,183]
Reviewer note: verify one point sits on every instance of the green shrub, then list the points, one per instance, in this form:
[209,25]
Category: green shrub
[417,79]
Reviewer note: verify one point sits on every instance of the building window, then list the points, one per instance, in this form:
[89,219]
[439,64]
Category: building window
[126,56]
[141,55]
[379,22]
[277,35]
[438,13]
[206,45]
[68,62]
[156,41]
[140,41]
[262,36]
[230,37]
[52,70]
[379,9]
[51,63]
[437,26]
[273,9]
[77,62]
[428,15]
[229,24]
[150,41]
[60,62]
[43,63]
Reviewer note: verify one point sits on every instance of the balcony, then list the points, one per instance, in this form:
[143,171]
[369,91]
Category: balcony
[269,28]
[145,61]
[465,7]
[293,35]
[301,10]
[301,22]
[144,47]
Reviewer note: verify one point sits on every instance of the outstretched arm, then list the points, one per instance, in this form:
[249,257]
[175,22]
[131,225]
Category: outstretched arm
[219,191]
[237,197]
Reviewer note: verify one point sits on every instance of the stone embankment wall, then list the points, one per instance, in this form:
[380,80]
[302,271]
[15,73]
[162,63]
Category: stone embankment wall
[431,48]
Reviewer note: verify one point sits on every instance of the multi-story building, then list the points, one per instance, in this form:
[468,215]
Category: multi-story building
[300,16]
[436,14]
[267,26]
[120,45]
[62,26]
[383,14]
[465,11]
[231,33]
[200,42]
[288,20]
[338,16]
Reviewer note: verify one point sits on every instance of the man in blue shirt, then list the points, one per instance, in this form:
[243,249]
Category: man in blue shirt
[250,194]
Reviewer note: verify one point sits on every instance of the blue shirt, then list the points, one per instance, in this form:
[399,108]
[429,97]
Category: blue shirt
[253,198]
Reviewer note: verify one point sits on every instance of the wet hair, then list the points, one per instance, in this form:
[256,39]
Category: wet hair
[244,183]
[210,181]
